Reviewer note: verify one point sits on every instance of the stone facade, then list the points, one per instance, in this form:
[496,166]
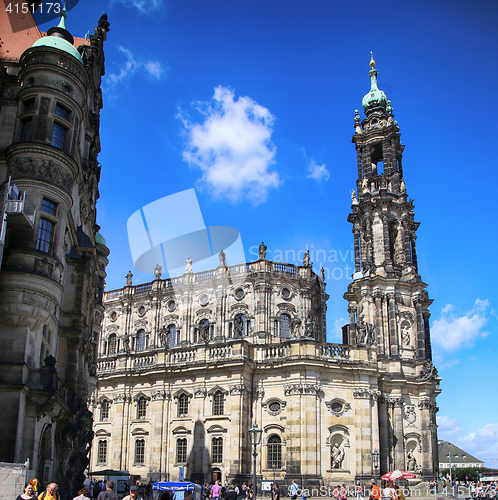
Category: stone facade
[188,364]
[53,260]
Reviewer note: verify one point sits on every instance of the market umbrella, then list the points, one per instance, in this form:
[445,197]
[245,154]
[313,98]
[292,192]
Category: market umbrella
[397,474]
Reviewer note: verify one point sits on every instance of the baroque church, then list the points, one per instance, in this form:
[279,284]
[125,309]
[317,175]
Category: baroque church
[187,365]
[52,257]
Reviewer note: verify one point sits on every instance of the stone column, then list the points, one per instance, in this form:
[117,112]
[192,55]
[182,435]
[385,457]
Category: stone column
[393,334]
[428,348]
[399,449]
[413,238]
[374,419]
[425,407]
[357,258]
[384,435]
[358,162]
[406,240]
[387,246]
[369,256]
[363,430]
[379,327]
[352,323]
[293,429]
[417,300]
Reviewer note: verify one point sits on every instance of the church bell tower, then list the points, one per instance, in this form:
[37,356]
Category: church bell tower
[388,303]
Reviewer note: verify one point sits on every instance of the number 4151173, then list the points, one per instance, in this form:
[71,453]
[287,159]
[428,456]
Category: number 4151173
[24,8]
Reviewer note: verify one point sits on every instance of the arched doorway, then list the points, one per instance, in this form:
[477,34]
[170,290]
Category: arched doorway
[45,457]
[216,475]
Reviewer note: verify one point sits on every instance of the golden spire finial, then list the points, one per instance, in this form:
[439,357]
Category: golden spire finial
[372,61]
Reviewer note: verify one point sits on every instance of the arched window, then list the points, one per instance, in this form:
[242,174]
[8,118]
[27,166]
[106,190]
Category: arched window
[182,405]
[142,342]
[140,451]
[181,451]
[274,452]
[102,452]
[217,450]
[173,335]
[104,410]
[141,408]
[112,345]
[285,326]
[218,403]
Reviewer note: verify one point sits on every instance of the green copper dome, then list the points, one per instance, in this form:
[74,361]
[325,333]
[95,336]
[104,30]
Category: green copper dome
[99,239]
[59,38]
[375,98]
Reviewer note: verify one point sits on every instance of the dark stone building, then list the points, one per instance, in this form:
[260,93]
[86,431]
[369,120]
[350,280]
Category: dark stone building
[53,259]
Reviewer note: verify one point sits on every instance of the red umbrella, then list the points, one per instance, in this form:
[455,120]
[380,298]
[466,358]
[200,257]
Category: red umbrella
[397,474]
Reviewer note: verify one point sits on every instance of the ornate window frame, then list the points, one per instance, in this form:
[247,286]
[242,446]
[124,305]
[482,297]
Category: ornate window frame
[266,406]
[345,406]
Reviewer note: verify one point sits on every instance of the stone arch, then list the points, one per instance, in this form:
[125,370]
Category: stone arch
[339,444]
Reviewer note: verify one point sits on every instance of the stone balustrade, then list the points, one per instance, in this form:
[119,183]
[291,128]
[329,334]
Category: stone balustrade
[238,350]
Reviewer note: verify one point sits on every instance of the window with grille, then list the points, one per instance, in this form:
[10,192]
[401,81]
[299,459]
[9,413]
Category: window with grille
[104,410]
[140,451]
[218,403]
[26,130]
[112,344]
[285,326]
[181,451]
[102,452]
[58,135]
[142,342]
[49,207]
[60,111]
[217,450]
[45,235]
[173,335]
[141,408]
[274,450]
[183,405]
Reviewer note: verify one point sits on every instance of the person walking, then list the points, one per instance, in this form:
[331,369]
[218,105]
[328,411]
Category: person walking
[28,493]
[108,493]
[83,494]
[50,493]
[215,490]
[293,490]
[276,492]
[358,491]
[133,494]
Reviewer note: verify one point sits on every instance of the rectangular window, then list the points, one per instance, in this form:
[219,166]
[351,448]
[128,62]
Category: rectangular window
[140,451]
[218,403]
[58,134]
[102,452]
[29,106]
[181,451]
[45,235]
[60,111]
[49,207]
[104,410]
[141,408]
[26,130]
[217,450]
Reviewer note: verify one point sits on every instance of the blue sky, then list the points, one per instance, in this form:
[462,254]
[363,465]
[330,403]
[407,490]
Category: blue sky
[273,86]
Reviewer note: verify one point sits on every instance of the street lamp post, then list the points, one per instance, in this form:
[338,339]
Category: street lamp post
[375,461]
[255,436]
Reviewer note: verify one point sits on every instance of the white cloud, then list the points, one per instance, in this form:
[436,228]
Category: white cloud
[483,444]
[131,66]
[233,147]
[453,331]
[318,172]
[143,6]
[154,68]
[337,329]
[447,427]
